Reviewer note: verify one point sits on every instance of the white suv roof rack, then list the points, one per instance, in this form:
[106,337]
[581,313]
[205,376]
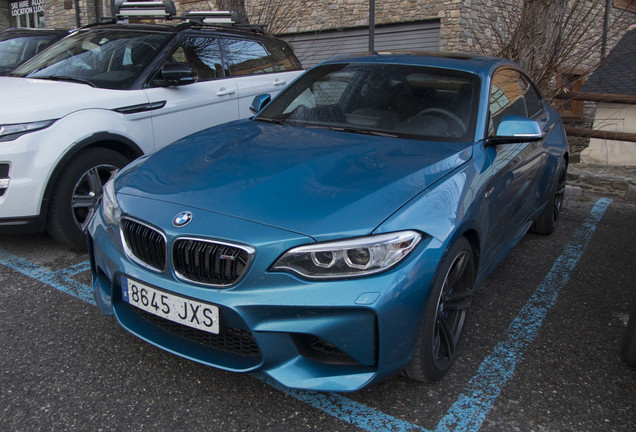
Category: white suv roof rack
[166,10]
[210,17]
[146,9]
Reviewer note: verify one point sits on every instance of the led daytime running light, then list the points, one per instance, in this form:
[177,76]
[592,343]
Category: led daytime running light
[349,258]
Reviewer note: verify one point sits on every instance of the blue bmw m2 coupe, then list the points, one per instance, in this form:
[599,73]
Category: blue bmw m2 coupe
[336,238]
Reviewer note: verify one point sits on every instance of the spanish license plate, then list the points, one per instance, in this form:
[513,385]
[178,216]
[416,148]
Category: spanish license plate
[172,307]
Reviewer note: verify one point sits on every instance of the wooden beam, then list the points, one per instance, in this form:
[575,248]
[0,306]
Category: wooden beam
[598,97]
[572,118]
[594,133]
[628,5]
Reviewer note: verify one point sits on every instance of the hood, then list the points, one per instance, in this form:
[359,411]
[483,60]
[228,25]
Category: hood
[320,183]
[27,99]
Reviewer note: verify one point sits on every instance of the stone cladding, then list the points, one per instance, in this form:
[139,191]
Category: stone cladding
[613,181]
[4,17]
[466,25]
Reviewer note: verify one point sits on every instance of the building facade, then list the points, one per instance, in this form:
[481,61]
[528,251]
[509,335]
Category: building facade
[321,28]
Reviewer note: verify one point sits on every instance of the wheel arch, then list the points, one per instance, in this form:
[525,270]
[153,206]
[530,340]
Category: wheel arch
[111,141]
[473,238]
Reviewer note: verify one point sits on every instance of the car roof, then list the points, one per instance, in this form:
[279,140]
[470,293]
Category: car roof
[180,27]
[468,62]
[25,31]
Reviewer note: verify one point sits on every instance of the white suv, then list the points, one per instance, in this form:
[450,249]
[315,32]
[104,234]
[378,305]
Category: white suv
[108,93]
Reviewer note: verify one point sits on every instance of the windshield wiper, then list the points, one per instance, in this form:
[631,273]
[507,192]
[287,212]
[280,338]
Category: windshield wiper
[66,78]
[362,131]
[274,121]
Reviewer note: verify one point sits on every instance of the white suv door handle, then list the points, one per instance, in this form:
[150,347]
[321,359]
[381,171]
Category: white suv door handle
[224,92]
[278,82]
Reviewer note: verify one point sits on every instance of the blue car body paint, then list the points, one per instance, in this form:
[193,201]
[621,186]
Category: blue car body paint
[272,185]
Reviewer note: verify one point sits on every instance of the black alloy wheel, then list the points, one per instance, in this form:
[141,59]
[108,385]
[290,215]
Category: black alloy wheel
[559,194]
[445,315]
[78,192]
[452,310]
[549,218]
[88,191]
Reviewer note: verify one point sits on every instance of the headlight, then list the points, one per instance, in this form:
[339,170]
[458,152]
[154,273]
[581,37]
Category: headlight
[110,207]
[12,131]
[349,258]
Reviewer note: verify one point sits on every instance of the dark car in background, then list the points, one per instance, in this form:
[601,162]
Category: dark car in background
[17,45]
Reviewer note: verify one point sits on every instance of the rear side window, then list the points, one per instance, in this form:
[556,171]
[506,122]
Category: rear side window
[282,57]
[203,54]
[247,57]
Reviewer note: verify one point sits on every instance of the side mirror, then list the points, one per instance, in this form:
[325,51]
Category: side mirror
[260,102]
[516,129]
[177,74]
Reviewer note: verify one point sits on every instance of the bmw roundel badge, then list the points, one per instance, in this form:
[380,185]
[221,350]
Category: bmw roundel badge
[182,219]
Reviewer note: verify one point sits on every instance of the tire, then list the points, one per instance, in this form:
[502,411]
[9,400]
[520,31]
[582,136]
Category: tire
[550,216]
[629,338]
[445,315]
[77,193]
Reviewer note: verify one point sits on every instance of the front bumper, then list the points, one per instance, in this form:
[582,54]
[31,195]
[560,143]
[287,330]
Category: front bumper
[329,336]
[26,164]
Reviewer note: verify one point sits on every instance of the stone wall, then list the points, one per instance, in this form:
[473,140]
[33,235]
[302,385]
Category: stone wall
[483,24]
[61,13]
[466,25]
[619,182]
[318,15]
[486,25]
[4,15]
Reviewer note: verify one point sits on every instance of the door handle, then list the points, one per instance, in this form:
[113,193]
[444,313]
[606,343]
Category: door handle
[278,82]
[225,92]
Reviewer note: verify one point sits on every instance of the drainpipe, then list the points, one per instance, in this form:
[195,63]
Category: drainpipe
[608,5]
[371,25]
[77,13]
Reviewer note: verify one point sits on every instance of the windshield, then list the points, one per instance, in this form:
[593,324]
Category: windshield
[16,50]
[385,99]
[102,58]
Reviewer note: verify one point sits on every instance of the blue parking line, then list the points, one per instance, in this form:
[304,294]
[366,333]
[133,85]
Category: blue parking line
[60,280]
[473,405]
[471,408]
[343,408]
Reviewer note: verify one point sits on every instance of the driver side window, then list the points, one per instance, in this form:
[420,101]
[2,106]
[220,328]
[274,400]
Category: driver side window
[511,93]
[203,54]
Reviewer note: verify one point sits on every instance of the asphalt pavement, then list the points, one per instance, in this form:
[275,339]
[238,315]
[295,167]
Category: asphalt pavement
[541,351]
